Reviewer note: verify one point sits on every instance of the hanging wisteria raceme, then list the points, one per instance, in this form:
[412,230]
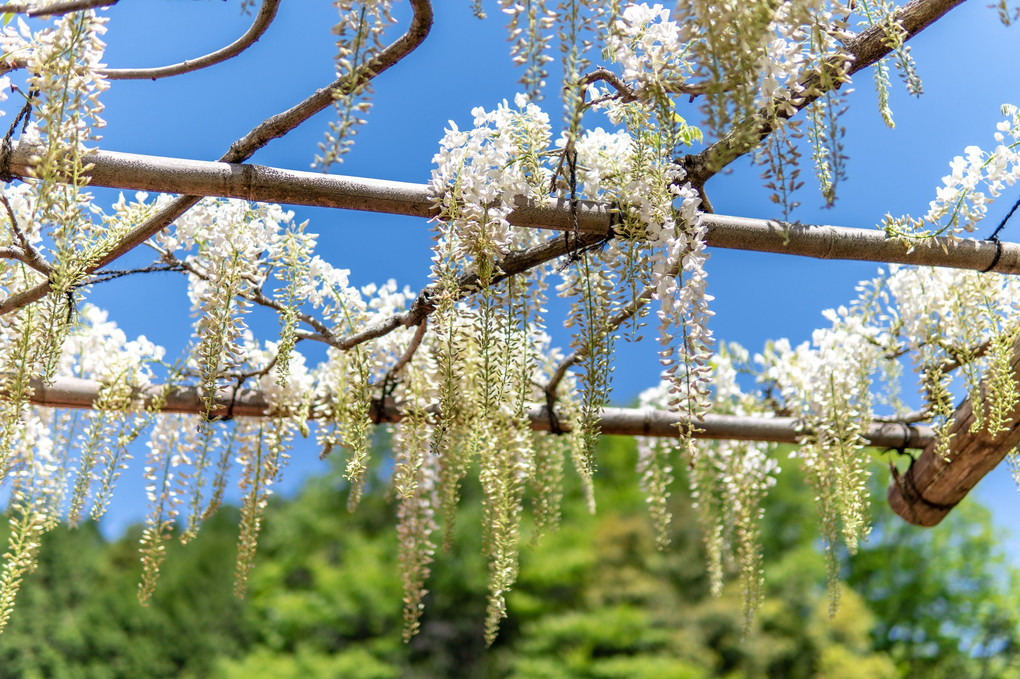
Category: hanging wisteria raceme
[975,180]
[462,365]
[479,174]
[62,59]
[728,480]
[530,25]
[359,34]
[946,321]
[46,482]
[828,386]
[415,482]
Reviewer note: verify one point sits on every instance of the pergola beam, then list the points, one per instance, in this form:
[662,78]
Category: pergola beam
[72,392]
[130,171]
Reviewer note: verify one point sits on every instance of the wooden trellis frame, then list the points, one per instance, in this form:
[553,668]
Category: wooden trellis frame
[922,495]
[70,392]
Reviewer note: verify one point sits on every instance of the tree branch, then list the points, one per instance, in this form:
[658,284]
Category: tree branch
[615,322]
[55,9]
[324,334]
[27,253]
[16,253]
[626,92]
[514,263]
[929,489]
[863,50]
[265,16]
[281,124]
[412,348]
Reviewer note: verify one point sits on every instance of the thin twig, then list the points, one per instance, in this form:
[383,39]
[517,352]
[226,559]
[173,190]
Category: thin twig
[627,94]
[615,322]
[514,263]
[240,377]
[256,296]
[243,377]
[15,227]
[56,9]
[107,276]
[28,253]
[265,16]
[625,91]
[408,354]
[9,64]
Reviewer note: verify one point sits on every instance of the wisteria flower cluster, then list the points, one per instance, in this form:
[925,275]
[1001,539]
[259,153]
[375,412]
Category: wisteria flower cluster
[975,180]
[359,42]
[946,320]
[728,479]
[480,174]
[650,48]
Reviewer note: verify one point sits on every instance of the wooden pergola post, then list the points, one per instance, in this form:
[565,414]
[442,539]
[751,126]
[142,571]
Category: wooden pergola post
[929,489]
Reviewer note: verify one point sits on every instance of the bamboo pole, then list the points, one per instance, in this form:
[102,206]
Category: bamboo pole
[131,171]
[73,392]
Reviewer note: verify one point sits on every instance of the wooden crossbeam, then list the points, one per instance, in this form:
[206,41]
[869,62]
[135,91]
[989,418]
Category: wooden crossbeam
[73,392]
[131,171]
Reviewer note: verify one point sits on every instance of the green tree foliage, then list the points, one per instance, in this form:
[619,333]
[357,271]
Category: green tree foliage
[956,619]
[595,599]
[81,618]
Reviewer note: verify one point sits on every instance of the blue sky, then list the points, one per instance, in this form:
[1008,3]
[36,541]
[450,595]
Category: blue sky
[967,62]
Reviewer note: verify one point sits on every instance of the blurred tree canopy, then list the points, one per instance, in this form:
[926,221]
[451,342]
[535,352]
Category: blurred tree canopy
[595,599]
